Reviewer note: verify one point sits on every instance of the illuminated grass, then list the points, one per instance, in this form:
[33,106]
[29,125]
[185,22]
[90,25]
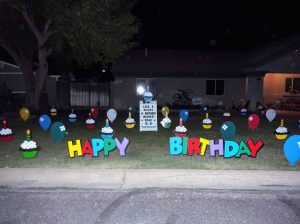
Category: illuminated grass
[147,149]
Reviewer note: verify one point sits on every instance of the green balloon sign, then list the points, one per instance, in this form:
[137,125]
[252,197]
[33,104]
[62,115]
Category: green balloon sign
[58,131]
[228,130]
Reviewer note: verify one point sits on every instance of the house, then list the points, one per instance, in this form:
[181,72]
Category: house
[267,75]
[263,75]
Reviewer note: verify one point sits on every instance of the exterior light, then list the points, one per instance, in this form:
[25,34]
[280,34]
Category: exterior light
[140,90]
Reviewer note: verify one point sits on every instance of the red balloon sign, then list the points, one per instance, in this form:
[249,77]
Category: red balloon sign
[95,112]
[253,121]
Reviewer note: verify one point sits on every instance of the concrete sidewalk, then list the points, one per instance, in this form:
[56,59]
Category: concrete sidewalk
[129,179]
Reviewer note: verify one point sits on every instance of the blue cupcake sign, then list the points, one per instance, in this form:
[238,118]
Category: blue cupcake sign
[148,96]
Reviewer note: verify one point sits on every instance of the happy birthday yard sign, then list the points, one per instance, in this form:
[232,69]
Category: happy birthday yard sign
[93,147]
[225,148]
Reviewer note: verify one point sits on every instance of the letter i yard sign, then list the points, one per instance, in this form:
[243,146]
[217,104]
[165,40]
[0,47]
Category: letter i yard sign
[148,116]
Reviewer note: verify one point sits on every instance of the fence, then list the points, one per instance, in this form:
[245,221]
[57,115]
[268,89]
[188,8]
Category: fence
[88,94]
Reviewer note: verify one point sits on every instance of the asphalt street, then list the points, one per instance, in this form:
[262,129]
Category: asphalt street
[148,205]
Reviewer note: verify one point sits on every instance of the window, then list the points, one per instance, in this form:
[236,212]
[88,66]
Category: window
[215,87]
[292,85]
[142,85]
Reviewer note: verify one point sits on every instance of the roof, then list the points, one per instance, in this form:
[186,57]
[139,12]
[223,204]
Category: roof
[178,63]
[7,68]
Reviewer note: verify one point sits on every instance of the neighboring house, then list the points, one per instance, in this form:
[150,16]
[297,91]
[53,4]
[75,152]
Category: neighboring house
[12,77]
[64,90]
[262,75]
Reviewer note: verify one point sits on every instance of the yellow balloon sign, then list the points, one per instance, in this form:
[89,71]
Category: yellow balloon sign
[24,113]
[165,111]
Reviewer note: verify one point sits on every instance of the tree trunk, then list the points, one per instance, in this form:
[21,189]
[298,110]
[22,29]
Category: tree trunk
[39,79]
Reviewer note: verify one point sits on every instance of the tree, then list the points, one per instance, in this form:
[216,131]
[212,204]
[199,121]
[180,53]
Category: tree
[93,31]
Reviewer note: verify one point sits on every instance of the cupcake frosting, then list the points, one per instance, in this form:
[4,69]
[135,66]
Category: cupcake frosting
[166,120]
[180,129]
[90,121]
[148,94]
[72,115]
[28,145]
[130,120]
[53,110]
[281,130]
[5,131]
[226,114]
[207,121]
[107,130]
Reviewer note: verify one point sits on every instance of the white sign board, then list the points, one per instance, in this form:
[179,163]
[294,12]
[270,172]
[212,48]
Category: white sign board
[148,116]
[197,101]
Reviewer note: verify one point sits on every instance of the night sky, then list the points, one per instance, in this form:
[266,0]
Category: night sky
[215,25]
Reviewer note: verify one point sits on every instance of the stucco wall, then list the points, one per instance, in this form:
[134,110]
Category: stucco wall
[124,90]
[274,86]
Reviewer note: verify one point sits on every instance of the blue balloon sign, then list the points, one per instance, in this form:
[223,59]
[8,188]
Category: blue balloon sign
[292,149]
[45,122]
[228,130]
[58,131]
[184,115]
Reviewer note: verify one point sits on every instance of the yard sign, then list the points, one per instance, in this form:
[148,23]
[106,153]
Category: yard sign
[148,116]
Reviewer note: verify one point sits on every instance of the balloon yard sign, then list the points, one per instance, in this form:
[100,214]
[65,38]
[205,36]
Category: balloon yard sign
[148,116]
[225,148]
[95,146]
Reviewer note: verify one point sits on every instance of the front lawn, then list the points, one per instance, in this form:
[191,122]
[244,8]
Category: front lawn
[148,149]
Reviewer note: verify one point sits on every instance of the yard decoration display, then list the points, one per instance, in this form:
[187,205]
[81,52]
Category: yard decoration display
[95,112]
[95,146]
[6,134]
[148,96]
[226,115]
[207,123]
[253,121]
[29,148]
[270,114]
[225,148]
[111,115]
[72,117]
[58,131]
[243,112]
[130,123]
[166,121]
[180,131]
[53,111]
[24,113]
[45,122]
[281,132]
[184,115]
[107,131]
[90,122]
[165,111]
[148,116]
[228,130]
[292,149]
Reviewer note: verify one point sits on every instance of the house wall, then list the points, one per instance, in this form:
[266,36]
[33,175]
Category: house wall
[124,91]
[274,86]
[15,82]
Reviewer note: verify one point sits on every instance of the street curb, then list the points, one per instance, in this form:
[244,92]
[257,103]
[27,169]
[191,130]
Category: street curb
[150,178]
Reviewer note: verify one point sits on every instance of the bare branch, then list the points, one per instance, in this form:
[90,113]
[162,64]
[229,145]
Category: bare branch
[11,51]
[30,22]
[47,25]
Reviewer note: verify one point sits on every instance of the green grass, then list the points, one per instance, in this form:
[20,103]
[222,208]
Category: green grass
[147,149]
